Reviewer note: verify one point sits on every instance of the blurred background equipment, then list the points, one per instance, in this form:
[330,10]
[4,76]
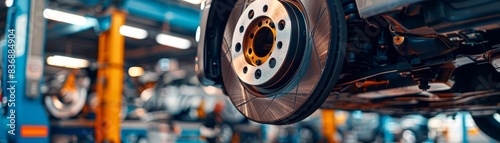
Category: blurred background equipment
[66,93]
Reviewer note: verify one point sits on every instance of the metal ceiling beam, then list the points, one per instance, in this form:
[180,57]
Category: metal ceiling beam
[63,29]
[175,15]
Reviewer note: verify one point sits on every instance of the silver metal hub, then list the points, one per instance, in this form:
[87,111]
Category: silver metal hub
[261,42]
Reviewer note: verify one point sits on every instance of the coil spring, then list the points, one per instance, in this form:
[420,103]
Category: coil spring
[351,11]
[352,18]
[357,47]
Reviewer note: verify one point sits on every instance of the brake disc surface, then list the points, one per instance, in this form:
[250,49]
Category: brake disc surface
[280,59]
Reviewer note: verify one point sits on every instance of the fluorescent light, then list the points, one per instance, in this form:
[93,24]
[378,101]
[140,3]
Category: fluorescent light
[173,41]
[193,1]
[64,17]
[68,62]
[133,32]
[202,5]
[9,3]
[2,42]
[210,90]
[198,30]
[135,71]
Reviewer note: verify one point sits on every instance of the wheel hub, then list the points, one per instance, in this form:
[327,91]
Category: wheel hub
[259,41]
[264,49]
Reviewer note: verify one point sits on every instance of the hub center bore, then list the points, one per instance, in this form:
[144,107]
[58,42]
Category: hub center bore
[259,41]
[266,45]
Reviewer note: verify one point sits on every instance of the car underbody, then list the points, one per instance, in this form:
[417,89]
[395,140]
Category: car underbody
[278,61]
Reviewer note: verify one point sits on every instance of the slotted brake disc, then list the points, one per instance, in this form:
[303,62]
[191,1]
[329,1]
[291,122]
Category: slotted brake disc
[280,59]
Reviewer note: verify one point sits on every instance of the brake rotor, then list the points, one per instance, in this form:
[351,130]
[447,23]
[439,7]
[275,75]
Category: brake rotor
[67,95]
[280,59]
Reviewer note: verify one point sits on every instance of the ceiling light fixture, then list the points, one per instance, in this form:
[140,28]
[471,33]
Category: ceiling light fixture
[135,71]
[9,3]
[133,32]
[64,17]
[198,32]
[202,5]
[173,41]
[68,62]
[193,1]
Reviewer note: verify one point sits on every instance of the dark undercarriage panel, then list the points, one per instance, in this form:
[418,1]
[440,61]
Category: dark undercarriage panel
[279,60]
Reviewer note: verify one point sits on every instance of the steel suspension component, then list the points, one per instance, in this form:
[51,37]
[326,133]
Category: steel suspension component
[358,44]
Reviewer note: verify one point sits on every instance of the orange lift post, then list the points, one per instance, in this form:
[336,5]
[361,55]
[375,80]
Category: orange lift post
[110,80]
[328,125]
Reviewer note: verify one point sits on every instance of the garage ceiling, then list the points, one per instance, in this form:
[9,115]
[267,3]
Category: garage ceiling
[84,43]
